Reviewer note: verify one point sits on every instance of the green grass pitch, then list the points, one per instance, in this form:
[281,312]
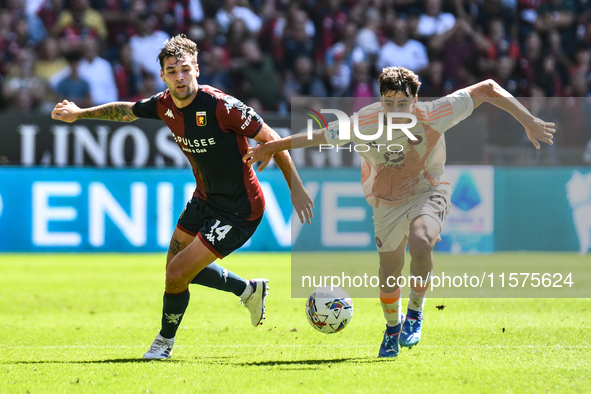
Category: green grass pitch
[81,323]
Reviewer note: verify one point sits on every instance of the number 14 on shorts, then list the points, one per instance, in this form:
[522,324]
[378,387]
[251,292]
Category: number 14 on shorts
[221,232]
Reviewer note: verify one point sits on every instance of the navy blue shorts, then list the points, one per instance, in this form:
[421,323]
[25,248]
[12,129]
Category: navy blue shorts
[220,234]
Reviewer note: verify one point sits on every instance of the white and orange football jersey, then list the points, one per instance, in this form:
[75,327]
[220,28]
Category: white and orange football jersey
[391,177]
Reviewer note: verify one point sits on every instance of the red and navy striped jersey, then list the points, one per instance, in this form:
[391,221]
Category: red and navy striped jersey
[212,132]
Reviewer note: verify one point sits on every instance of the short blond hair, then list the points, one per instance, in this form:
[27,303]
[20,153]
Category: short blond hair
[399,79]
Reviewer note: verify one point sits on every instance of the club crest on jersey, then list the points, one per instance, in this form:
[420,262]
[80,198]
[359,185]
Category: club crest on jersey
[418,141]
[201,117]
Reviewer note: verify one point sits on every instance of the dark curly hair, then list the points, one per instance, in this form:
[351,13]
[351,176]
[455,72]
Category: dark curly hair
[399,79]
[179,47]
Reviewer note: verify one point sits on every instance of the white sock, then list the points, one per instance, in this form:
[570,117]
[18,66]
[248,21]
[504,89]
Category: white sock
[418,294]
[247,292]
[391,306]
[416,303]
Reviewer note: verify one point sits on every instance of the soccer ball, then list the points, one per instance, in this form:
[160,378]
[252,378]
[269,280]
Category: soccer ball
[329,311]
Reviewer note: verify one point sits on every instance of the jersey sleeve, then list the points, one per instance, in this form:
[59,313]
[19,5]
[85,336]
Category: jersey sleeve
[147,108]
[446,112]
[233,115]
[366,115]
[331,133]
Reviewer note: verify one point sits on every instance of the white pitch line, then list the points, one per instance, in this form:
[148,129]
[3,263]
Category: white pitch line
[292,345]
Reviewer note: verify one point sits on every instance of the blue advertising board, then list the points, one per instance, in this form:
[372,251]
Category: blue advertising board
[543,209]
[135,210]
[105,210]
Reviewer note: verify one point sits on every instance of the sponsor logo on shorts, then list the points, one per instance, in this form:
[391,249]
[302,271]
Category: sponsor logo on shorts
[418,141]
[378,242]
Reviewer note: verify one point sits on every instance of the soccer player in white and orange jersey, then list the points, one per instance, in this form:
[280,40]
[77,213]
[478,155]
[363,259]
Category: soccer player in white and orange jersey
[405,184]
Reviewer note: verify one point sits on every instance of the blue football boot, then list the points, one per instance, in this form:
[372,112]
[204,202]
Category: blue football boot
[411,329]
[389,346]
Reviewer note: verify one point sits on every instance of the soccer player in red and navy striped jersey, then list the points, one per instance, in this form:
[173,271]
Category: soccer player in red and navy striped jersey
[211,128]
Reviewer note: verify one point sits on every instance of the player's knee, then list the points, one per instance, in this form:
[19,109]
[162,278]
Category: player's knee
[175,282]
[421,245]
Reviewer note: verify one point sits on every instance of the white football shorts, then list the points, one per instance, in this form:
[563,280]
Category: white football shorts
[393,224]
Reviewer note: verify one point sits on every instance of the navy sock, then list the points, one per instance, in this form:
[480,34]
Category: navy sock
[220,278]
[172,312]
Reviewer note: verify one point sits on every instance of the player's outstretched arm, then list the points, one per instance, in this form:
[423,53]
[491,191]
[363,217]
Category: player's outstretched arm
[266,150]
[120,111]
[300,198]
[491,92]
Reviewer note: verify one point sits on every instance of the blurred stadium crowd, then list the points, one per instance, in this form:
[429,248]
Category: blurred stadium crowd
[266,51]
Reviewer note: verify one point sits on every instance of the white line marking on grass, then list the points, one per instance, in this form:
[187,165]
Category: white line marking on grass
[292,345]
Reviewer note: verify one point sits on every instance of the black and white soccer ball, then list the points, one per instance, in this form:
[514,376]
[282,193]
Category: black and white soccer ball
[329,311]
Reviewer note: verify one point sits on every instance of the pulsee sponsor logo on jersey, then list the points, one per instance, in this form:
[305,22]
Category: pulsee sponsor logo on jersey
[197,145]
[343,131]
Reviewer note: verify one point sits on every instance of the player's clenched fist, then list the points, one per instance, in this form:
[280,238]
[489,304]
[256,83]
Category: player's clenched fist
[65,111]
